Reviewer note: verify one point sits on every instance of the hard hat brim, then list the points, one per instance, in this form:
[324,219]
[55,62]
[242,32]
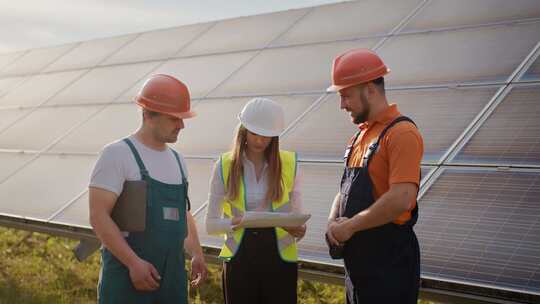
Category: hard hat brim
[335,88]
[183,115]
[259,131]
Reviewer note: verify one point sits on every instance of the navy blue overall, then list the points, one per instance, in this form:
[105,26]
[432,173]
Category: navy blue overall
[382,264]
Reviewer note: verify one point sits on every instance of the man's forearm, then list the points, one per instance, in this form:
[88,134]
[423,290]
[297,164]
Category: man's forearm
[385,210]
[111,237]
[192,244]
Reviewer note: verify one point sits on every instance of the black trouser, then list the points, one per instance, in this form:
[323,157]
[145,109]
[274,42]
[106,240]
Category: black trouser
[257,274]
[393,276]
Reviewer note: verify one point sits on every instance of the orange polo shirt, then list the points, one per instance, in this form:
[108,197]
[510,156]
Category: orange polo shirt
[398,157]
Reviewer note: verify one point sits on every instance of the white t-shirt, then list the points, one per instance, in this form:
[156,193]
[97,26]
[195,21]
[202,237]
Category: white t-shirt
[116,164]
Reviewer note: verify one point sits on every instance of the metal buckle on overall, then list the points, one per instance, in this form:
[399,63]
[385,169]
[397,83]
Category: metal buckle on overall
[371,149]
[347,152]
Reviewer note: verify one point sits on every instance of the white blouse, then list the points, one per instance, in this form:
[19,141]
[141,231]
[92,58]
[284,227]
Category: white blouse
[255,194]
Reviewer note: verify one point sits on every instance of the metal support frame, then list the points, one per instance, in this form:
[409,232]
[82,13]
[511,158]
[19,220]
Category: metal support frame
[309,270]
[433,86]
[431,287]
[86,248]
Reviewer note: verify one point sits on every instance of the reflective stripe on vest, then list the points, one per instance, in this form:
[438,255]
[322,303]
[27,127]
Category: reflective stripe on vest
[286,242]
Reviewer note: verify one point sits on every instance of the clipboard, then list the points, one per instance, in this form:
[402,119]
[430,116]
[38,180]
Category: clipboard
[129,212]
[254,219]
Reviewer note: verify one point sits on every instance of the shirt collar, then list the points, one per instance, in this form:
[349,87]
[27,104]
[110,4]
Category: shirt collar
[384,117]
[247,161]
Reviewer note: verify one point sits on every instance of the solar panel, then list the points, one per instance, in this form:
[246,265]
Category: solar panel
[7,83]
[74,213]
[435,111]
[89,53]
[257,32]
[7,58]
[201,74]
[479,227]
[448,14]
[42,126]
[441,114]
[314,139]
[206,239]
[156,45]
[94,86]
[39,88]
[35,60]
[320,185]
[446,57]
[199,178]
[11,162]
[109,124]
[356,19]
[482,226]
[289,69]
[10,116]
[44,185]
[510,135]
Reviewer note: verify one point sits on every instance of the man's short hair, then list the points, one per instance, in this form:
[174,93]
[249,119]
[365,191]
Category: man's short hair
[379,82]
[150,113]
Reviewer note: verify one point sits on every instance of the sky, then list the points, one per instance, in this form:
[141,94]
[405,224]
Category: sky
[26,24]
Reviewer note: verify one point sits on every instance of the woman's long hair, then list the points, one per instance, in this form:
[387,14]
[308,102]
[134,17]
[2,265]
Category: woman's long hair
[275,182]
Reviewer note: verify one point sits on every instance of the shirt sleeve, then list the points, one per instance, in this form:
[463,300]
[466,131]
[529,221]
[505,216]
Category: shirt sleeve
[296,194]
[405,150]
[215,223]
[108,173]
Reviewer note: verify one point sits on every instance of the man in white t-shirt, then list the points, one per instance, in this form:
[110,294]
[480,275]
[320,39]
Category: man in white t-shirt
[148,267]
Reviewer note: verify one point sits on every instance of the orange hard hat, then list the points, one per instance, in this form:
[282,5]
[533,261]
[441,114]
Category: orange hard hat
[355,67]
[165,94]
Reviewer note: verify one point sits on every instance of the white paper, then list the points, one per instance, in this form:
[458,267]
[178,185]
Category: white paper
[254,219]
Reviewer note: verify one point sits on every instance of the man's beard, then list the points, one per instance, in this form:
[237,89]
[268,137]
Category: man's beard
[363,116]
[172,138]
[169,138]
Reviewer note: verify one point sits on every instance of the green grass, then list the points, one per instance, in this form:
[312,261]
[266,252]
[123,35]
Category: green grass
[37,268]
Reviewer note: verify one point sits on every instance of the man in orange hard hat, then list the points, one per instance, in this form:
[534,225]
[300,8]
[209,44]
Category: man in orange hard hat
[372,217]
[148,266]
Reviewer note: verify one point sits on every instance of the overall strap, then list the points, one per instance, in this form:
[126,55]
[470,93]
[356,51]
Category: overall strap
[349,149]
[138,159]
[184,179]
[373,147]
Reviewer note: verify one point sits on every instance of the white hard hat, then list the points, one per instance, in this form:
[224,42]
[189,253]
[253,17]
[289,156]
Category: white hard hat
[263,116]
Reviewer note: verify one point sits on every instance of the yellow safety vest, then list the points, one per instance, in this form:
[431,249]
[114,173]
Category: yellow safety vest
[286,243]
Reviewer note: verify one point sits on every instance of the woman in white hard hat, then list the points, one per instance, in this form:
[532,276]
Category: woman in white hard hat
[260,264]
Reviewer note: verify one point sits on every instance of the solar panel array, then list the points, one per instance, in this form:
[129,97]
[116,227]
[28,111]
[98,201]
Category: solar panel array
[467,72]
